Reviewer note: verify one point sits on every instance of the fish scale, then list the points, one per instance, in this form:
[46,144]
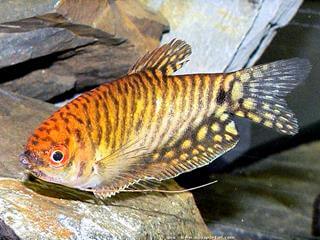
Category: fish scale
[150,125]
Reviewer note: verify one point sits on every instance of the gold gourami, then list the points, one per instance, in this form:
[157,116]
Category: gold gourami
[150,125]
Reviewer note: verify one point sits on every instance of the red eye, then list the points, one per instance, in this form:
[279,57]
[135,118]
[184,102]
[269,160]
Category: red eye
[59,156]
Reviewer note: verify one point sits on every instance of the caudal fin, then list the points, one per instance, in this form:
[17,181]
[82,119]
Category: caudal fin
[263,90]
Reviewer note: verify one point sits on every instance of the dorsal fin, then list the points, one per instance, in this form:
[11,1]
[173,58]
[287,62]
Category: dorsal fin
[168,58]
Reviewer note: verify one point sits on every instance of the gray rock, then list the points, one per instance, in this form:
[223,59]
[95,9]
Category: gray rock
[35,37]
[39,210]
[225,34]
[57,55]
[6,233]
[76,56]
[12,10]
[41,84]
[18,117]
[272,199]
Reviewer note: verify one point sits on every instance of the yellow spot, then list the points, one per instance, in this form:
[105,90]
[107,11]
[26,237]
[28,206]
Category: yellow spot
[240,113]
[228,137]
[186,144]
[169,69]
[254,117]
[215,127]
[202,133]
[268,123]
[289,127]
[248,103]
[210,150]
[169,52]
[169,154]
[163,63]
[195,152]
[217,138]
[276,111]
[184,156]
[244,77]
[224,117]
[266,106]
[175,161]
[237,91]
[221,110]
[231,128]
[195,158]
[279,125]
[269,116]
[257,74]
[182,55]
[173,58]
[155,156]
[201,148]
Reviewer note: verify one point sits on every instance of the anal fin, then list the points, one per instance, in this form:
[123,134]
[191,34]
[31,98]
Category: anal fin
[197,148]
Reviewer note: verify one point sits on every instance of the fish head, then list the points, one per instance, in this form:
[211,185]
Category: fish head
[55,154]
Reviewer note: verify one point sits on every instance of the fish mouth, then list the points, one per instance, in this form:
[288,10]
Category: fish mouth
[31,162]
[24,160]
[27,164]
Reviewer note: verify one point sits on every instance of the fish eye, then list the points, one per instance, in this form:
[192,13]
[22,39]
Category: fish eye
[57,156]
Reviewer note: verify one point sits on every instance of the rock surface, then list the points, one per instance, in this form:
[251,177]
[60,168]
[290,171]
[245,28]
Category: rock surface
[128,19]
[73,56]
[225,35]
[6,233]
[18,117]
[12,10]
[36,37]
[49,211]
[272,199]
[68,50]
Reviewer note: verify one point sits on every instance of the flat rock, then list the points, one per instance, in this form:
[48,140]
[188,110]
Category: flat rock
[12,10]
[271,199]
[36,37]
[75,46]
[49,211]
[56,56]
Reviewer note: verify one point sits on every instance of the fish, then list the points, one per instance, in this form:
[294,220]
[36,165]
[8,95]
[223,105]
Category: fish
[153,125]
